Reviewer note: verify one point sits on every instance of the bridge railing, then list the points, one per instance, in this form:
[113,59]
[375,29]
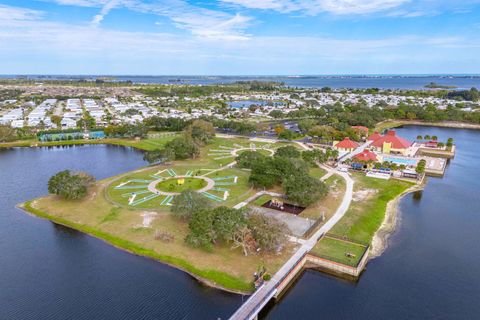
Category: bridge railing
[255,310]
[291,268]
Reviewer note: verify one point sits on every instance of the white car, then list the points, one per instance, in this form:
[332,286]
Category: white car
[343,169]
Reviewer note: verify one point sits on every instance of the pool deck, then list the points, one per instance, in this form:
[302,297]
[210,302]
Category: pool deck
[435,166]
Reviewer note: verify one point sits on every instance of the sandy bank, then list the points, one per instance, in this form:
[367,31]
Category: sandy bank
[380,238]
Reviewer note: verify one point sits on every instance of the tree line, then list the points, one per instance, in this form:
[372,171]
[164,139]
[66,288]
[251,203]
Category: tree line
[241,228]
[288,168]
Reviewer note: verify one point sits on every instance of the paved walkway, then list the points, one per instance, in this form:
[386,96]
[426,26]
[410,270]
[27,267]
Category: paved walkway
[355,152]
[227,166]
[250,309]
[297,225]
[255,196]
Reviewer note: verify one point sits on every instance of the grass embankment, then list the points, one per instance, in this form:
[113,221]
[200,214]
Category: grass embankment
[147,144]
[216,277]
[389,124]
[134,230]
[368,208]
[345,252]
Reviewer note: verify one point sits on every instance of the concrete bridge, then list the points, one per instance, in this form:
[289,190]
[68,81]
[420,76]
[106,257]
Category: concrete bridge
[275,286]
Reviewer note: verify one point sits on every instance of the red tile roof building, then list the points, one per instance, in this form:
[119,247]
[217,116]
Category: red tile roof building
[346,144]
[391,143]
[366,156]
[374,136]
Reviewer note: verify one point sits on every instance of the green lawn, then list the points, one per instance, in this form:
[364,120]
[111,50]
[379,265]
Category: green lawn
[365,216]
[384,125]
[261,200]
[227,144]
[142,144]
[317,172]
[121,192]
[261,151]
[336,250]
[123,226]
[172,185]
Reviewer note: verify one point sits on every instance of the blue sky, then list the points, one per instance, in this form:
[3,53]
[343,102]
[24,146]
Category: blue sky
[239,37]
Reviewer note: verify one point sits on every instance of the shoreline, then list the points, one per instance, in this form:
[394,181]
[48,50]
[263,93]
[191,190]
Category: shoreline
[388,124]
[390,222]
[29,209]
[30,144]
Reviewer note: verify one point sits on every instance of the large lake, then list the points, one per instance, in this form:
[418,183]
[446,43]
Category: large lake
[430,270]
[314,81]
[52,272]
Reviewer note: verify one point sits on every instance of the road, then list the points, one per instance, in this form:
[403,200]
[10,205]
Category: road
[259,298]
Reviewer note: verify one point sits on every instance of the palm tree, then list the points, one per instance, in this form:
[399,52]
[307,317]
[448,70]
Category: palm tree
[434,138]
[419,137]
[427,137]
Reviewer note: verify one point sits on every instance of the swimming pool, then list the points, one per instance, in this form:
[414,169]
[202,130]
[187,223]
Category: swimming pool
[407,162]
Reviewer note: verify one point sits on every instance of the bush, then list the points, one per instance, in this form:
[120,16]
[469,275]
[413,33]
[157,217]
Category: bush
[287,152]
[202,132]
[159,156]
[421,166]
[202,233]
[269,233]
[69,185]
[183,148]
[248,158]
[188,203]
[304,190]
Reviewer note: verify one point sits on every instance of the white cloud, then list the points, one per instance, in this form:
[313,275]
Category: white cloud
[15,16]
[354,6]
[212,28]
[313,7]
[32,42]
[105,10]
[201,22]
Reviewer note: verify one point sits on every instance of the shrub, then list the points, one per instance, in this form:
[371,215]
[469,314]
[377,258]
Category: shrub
[70,185]
[187,203]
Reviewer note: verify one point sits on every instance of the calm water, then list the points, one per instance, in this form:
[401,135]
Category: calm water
[247,103]
[52,272]
[338,81]
[430,270]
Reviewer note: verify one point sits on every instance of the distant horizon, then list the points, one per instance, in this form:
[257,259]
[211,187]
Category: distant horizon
[251,75]
[239,37]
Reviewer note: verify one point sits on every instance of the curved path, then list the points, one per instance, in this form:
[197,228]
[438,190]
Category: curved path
[152,186]
[235,152]
[255,303]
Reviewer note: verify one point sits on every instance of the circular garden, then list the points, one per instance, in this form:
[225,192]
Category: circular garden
[177,185]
